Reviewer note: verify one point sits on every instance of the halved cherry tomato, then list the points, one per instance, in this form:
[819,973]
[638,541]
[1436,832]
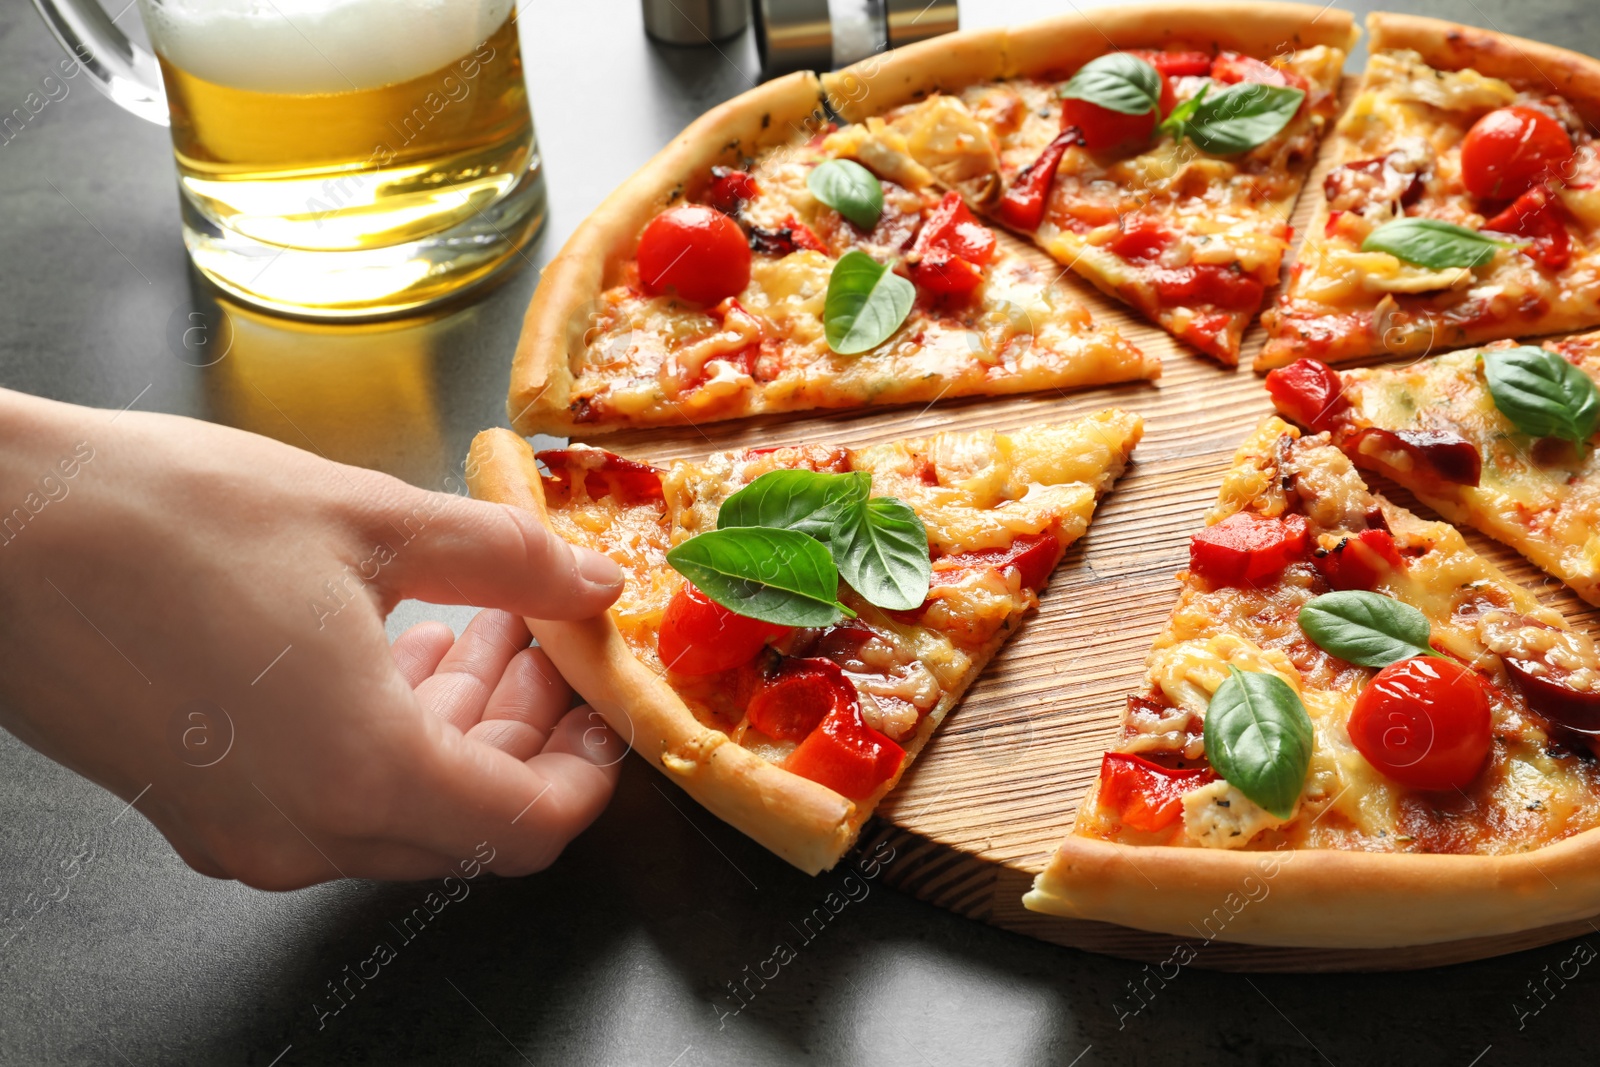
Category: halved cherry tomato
[1232,67]
[599,473]
[1360,562]
[1220,285]
[1176,64]
[1424,722]
[697,251]
[1141,238]
[1033,555]
[1245,549]
[700,636]
[1146,796]
[1510,149]
[1309,392]
[1539,215]
[1022,206]
[793,700]
[731,189]
[950,249]
[844,753]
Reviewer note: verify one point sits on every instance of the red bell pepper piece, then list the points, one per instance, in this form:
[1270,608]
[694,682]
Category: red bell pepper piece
[1359,562]
[1246,550]
[1141,238]
[1537,214]
[1231,67]
[1146,796]
[601,474]
[731,189]
[950,249]
[1309,392]
[1022,206]
[1176,64]
[1033,555]
[843,752]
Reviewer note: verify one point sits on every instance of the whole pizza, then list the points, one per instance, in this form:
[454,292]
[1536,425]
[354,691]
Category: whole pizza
[1347,703]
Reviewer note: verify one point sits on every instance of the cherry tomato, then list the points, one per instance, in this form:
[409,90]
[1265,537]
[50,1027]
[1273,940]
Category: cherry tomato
[1537,214]
[1102,128]
[1244,549]
[1146,796]
[843,752]
[700,636]
[1176,64]
[1509,149]
[1425,723]
[731,189]
[696,250]
[1360,562]
[1033,555]
[793,700]
[1309,392]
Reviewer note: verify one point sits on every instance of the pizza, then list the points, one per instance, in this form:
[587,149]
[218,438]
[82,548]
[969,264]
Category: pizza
[797,621]
[757,266]
[1345,695]
[1463,207]
[1182,209]
[1497,438]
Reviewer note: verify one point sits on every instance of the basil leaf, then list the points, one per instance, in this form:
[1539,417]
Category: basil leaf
[850,189]
[1543,394]
[1117,82]
[1367,629]
[1236,118]
[812,502]
[882,549]
[866,304]
[777,576]
[1259,737]
[1433,243]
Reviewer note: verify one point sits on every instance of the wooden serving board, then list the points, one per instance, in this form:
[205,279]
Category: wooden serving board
[983,808]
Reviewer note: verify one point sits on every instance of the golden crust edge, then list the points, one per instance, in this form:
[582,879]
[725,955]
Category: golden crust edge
[558,316]
[804,823]
[954,61]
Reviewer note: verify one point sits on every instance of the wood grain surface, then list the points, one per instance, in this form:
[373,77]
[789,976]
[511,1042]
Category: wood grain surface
[983,808]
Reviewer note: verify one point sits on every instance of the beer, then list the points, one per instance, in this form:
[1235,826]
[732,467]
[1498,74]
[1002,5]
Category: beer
[348,157]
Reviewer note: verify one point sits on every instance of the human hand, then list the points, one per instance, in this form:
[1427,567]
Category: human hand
[186,577]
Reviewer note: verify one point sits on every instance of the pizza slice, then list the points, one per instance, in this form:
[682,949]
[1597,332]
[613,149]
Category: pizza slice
[797,621]
[1351,718]
[1464,206]
[760,264]
[1497,438]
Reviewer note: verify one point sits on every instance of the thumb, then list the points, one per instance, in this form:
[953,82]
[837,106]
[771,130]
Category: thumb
[456,550]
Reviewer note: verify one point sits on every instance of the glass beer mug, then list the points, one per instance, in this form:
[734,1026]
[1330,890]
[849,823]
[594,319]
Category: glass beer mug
[336,158]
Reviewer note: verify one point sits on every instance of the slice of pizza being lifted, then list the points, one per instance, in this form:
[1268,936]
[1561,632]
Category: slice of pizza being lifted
[1464,207]
[1350,704]
[797,621]
[1498,438]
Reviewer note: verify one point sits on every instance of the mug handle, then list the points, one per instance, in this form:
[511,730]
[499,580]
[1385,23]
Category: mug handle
[119,68]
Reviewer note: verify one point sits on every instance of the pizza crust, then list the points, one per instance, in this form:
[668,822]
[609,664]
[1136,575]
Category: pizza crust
[593,257]
[1066,42]
[1317,898]
[805,823]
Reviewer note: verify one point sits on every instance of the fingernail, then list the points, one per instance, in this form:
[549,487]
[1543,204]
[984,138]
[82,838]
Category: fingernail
[595,568]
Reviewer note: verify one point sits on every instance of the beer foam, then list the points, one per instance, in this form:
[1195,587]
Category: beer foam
[317,46]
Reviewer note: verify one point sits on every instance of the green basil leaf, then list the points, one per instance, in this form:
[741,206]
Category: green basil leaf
[1117,82]
[1542,394]
[1177,122]
[1433,243]
[777,576]
[1367,629]
[1259,737]
[850,189]
[866,304]
[1236,118]
[812,502]
[882,550]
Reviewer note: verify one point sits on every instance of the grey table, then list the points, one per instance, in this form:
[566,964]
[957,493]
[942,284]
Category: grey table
[626,951]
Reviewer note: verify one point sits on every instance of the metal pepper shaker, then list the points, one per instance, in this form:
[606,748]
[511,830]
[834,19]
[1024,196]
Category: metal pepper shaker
[694,21]
[826,34]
